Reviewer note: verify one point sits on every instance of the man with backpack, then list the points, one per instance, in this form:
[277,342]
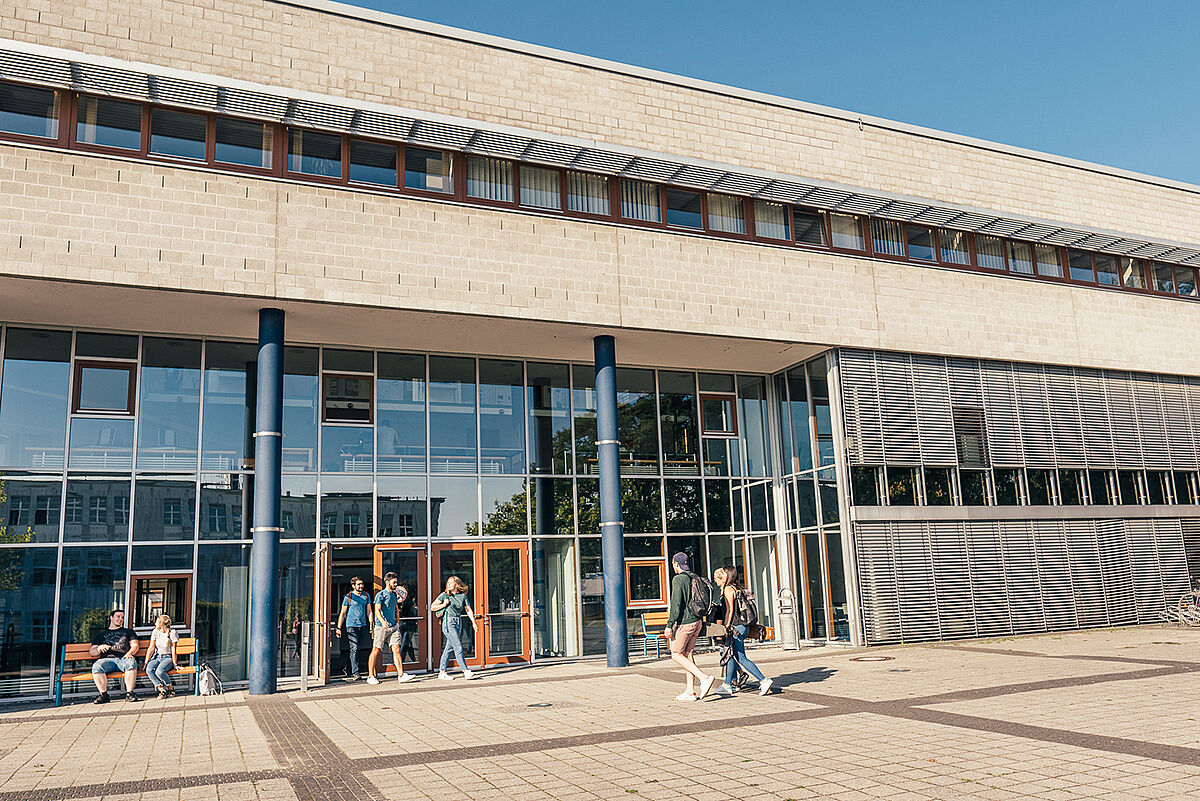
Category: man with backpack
[691,597]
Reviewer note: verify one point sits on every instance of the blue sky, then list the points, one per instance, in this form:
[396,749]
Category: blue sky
[1109,82]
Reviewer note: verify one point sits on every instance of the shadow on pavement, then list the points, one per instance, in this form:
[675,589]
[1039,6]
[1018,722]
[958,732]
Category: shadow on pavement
[808,676]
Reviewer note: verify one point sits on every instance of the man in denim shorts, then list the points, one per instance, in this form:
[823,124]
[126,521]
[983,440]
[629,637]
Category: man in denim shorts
[115,647]
[384,618]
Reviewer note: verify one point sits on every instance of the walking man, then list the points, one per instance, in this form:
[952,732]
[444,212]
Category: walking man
[114,648]
[383,617]
[353,616]
[683,629]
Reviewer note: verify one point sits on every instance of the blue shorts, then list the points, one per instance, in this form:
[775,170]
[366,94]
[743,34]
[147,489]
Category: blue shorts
[109,665]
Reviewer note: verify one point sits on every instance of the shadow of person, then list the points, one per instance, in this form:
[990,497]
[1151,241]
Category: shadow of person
[811,675]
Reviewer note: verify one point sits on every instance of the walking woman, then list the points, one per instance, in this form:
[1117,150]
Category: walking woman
[737,622]
[450,607]
[160,657]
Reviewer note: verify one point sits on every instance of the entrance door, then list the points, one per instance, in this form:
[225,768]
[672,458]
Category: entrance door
[321,634]
[497,576]
[408,563]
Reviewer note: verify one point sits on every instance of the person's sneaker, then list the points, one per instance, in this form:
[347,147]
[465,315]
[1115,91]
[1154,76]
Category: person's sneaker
[686,697]
[764,686]
[444,676]
[102,698]
[724,690]
[468,675]
[170,690]
[403,677]
[372,680]
[351,677]
[705,686]
[162,691]
[131,697]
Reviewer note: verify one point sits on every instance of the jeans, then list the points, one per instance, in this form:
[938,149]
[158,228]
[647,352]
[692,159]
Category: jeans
[737,639]
[354,635]
[452,633]
[108,664]
[408,641]
[157,669]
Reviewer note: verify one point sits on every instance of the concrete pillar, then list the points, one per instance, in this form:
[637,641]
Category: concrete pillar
[612,534]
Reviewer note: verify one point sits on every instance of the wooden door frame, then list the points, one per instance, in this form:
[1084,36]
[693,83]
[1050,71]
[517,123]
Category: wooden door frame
[435,571]
[425,643]
[522,548]
[322,596]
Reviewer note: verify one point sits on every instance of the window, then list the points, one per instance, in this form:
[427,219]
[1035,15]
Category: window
[1100,488]
[110,123]
[405,525]
[97,510]
[989,252]
[103,388]
[640,201]
[18,510]
[939,486]
[1157,486]
[1185,280]
[1008,487]
[1185,488]
[172,512]
[328,524]
[718,415]
[372,163]
[864,485]
[46,513]
[771,220]
[1040,483]
[347,398]
[727,214]
[587,193]
[810,230]
[288,518]
[350,522]
[121,510]
[174,133]
[217,520]
[1080,263]
[28,111]
[970,436]
[1164,277]
[683,208]
[1049,261]
[243,142]
[1107,271]
[169,595]
[541,188]
[902,486]
[973,485]
[887,237]
[1020,257]
[74,515]
[315,153]
[1133,273]
[427,170]
[1070,487]
[647,582]
[954,247]
[489,179]
[1129,487]
[920,243]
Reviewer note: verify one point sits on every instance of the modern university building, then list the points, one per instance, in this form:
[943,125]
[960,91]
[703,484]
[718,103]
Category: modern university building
[341,284]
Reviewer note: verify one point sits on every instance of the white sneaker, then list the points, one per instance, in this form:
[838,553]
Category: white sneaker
[444,676]
[403,677]
[705,686]
[468,675]
[686,697]
[725,690]
[764,686]
[372,680]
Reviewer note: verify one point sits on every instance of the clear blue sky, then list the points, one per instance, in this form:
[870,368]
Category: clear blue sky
[1109,82]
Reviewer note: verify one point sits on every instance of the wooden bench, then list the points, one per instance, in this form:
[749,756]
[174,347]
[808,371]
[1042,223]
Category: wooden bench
[81,652]
[652,625]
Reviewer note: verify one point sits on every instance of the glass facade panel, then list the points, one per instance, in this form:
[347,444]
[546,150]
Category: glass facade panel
[864,486]
[178,134]
[501,416]
[684,504]
[453,506]
[555,596]
[298,507]
[973,484]
[591,595]
[97,509]
[169,410]
[541,188]
[347,449]
[989,252]
[1071,487]
[300,409]
[954,247]
[400,399]
[920,243]
[683,208]
[641,505]
[1185,280]
[1049,261]
[1020,257]
[101,444]
[771,220]
[28,111]
[296,563]
[846,231]
[505,505]
[678,423]
[640,201]
[224,499]
[551,506]
[822,418]
[887,237]
[637,421]
[403,507]
[222,608]
[800,425]
[315,153]
[1129,487]
[718,505]
[587,193]
[1108,272]
[27,579]
[452,418]
[104,388]
[427,170]
[1100,488]
[33,398]
[752,396]
[30,509]
[902,486]
[1041,490]
[1008,487]
[1164,277]
[1133,273]
[548,397]
[810,228]
[372,163]
[490,179]
[587,491]
[939,486]
[91,585]
[347,507]
[106,346]
[1080,264]
[583,404]
[245,143]
[227,405]
[110,123]
[164,508]
[163,558]
[727,214]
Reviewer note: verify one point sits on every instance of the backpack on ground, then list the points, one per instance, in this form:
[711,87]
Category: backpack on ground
[702,596]
[207,681]
[745,609]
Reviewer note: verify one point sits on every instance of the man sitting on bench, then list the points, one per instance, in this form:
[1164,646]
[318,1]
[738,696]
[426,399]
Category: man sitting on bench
[116,647]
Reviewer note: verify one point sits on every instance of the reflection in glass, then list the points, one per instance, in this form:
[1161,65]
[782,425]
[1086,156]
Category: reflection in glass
[104,388]
[501,416]
[176,133]
[814,582]
[298,508]
[505,605]
[683,208]
[801,425]
[752,393]
[902,486]
[296,574]
[588,493]
[28,111]
[164,508]
[645,583]
[551,506]
[346,506]
[108,122]
[26,618]
[427,170]
[505,512]
[315,153]
[591,595]
[643,547]
[92,584]
[555,594]
[761,579]
[97,509]
[678,423]
[1008,487]
[300,409]
[101,444]
[453,507]
[1080,264]
[244,142]
[169,410]
[29,509]
[827,488]
[403,511]
[1040,492]
[974,487]
[637,422]
[756,494]
[372,163]
[163,558]
[718,506]
[106,346]
[837,585]
[864,486]
[401,401]
[222,607]
[641,505]
[720,552]
[223,499]
[228,405]
[33,398]
[347,449]
[806,499]
[583,401]
[939,490]
[452,422]
[549,402]
[684,504]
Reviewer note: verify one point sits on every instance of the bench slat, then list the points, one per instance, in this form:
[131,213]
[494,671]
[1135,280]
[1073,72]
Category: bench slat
[81,651]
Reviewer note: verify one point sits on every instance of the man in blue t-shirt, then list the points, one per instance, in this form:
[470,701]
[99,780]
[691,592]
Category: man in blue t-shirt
[353,620]
[383,616]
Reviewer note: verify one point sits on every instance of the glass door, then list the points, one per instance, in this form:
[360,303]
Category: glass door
[408,563]
[506,614]
[460,560]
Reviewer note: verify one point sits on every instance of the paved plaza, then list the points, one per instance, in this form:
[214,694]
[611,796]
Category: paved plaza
[1111,714]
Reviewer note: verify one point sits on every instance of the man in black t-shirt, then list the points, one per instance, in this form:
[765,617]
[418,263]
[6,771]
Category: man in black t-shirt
[115,648]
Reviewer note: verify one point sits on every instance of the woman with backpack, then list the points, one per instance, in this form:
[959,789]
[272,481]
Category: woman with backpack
[740,614]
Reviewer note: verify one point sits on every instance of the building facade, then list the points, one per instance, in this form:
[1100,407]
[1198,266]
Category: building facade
[915,386]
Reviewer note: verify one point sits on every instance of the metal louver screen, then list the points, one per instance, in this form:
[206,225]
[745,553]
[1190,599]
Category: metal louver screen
[923,581]
[970,437]
[1190,532]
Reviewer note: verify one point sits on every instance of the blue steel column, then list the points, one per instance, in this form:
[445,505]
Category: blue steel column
[268,480]
[612,533]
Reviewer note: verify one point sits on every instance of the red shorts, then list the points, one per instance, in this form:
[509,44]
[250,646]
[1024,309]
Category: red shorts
[684,641]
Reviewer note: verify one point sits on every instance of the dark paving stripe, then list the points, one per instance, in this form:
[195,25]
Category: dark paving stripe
[1132,660]
[143,786]
[1049,684]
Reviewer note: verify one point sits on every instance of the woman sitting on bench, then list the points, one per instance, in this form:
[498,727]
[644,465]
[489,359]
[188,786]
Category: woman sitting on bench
[160,657]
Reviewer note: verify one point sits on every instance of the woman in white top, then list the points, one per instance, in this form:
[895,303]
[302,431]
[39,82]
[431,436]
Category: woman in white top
[160,657]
